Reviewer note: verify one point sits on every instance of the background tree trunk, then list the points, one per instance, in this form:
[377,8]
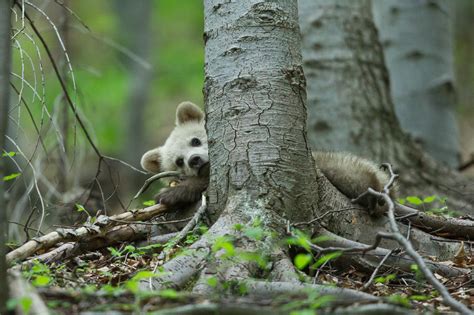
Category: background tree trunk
[349,103]
[5,65]
[417,40]
[135,34]
[256,117]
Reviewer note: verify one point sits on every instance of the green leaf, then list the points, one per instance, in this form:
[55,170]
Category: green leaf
[145,274]
[168,293]
[399,299]
[430,199]
[414,200]
[149,203]
[10,154]
[11,176]
[325,258]
[302,260]
[80,208]
[212,282]
[225,244]
[114,252]
[26,302]
[41,281]
[238,227]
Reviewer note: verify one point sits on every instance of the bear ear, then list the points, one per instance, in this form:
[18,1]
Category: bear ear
[188,111]
[151,161]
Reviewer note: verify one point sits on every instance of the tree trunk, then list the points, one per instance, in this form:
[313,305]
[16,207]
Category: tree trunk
[256,116]
[418,47]
[135,33]
[349,103]
[5,65]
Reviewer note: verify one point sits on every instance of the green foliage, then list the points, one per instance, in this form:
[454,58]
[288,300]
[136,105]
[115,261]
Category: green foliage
[434,204]
[325,258]
[11,176]
[302,260]
[40,274]
[149,203]
[10,154]
[225,243]
[400,300]
[385,279]
[212,281]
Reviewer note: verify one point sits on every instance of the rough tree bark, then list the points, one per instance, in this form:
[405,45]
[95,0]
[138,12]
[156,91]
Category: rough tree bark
[255,93]
[417,42]
[5,65]
[350,107]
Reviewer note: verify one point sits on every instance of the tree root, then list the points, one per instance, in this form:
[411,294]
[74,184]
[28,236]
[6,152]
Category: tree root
[20,289]
[372,258]
[446,227]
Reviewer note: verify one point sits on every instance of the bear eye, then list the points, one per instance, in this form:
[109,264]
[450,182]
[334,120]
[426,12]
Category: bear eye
[195,142]
[179,162]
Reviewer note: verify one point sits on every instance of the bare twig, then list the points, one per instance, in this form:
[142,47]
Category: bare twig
[396,235]
[155,178]
[376,270]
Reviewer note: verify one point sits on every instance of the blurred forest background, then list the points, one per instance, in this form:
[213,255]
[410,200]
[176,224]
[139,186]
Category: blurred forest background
[133,62]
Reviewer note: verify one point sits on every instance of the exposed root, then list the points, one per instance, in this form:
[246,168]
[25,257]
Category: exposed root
[447,227]
[283,269]
[20,289]
[370,260]
[178,271]
[341,296]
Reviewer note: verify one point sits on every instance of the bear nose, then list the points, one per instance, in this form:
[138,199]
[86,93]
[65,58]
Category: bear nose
[195,161]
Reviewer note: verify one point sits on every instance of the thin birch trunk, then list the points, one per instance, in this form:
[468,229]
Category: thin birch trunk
[417,41]
[5,65]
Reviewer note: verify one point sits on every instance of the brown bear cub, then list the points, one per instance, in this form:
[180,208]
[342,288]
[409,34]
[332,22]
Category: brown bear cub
[185,151]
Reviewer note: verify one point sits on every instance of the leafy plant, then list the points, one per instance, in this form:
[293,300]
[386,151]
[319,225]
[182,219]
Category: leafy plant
[437,205]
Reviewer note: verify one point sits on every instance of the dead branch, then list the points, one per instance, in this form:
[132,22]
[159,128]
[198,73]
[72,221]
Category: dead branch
[101,227]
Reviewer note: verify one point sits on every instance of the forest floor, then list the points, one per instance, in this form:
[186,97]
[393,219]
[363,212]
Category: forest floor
[108,279]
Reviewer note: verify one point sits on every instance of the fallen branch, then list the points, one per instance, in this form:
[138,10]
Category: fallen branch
[100,228]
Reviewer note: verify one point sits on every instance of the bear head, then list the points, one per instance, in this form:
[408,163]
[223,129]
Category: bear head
[185,149]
